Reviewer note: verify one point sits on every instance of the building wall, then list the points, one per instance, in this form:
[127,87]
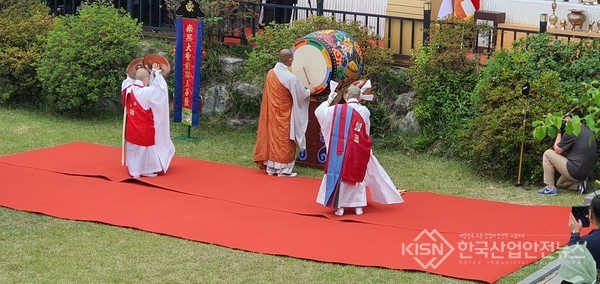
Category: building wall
[407,35]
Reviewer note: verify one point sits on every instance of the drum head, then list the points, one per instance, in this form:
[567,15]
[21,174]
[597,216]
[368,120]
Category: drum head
[312,65]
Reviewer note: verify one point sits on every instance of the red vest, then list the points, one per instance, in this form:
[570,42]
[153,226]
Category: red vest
[358,150]
[139,128]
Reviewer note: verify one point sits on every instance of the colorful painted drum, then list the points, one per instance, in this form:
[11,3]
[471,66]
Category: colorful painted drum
[327,55]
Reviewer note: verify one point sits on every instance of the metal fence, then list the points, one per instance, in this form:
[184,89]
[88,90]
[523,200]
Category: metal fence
[490,39]
[402,35]
[150,12]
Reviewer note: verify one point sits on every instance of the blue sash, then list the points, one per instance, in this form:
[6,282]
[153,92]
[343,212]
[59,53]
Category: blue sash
[342,116]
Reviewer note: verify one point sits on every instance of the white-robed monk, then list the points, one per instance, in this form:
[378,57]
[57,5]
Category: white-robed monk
[127,83]
[283,119]
[149,148]
[345,186]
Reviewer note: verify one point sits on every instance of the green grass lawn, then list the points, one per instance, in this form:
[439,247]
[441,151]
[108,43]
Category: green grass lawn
[39,249]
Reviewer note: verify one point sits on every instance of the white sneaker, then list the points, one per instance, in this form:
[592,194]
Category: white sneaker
[150,175]
[339,212]
[358,211]
[287,175]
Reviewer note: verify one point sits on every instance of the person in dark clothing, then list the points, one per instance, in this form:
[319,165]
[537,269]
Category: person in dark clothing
[591,240]
[573,156]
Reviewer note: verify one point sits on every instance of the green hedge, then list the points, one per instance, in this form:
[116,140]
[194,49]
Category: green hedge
[555,70]
[84,62]
[444,77]
[24,26]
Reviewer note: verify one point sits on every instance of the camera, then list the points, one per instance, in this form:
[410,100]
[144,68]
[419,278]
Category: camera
[581,213]
[563,126]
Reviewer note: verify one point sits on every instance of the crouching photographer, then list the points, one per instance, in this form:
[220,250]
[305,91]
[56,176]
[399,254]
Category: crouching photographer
[573,157]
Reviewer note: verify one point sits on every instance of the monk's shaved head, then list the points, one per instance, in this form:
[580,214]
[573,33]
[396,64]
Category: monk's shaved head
[141,74]
[285,55]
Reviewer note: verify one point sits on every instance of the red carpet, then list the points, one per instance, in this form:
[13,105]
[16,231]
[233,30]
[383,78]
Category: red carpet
[227,205]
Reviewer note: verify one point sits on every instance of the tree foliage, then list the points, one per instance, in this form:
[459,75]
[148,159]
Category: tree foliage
[220,16]
[555,70]
[444,77]
[83,64]
[588,103]
[25,25]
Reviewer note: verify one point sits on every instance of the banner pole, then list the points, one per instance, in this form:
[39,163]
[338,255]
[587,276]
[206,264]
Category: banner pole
[188,66]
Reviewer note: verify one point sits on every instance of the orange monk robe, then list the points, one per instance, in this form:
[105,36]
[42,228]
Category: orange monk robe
[283,118]
[273,139]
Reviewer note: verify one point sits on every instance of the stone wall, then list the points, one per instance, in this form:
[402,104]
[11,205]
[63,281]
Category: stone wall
[217,97]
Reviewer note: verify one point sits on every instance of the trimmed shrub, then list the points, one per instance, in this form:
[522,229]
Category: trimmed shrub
[84,62]
[444,78]
[555,70]
[25,25]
